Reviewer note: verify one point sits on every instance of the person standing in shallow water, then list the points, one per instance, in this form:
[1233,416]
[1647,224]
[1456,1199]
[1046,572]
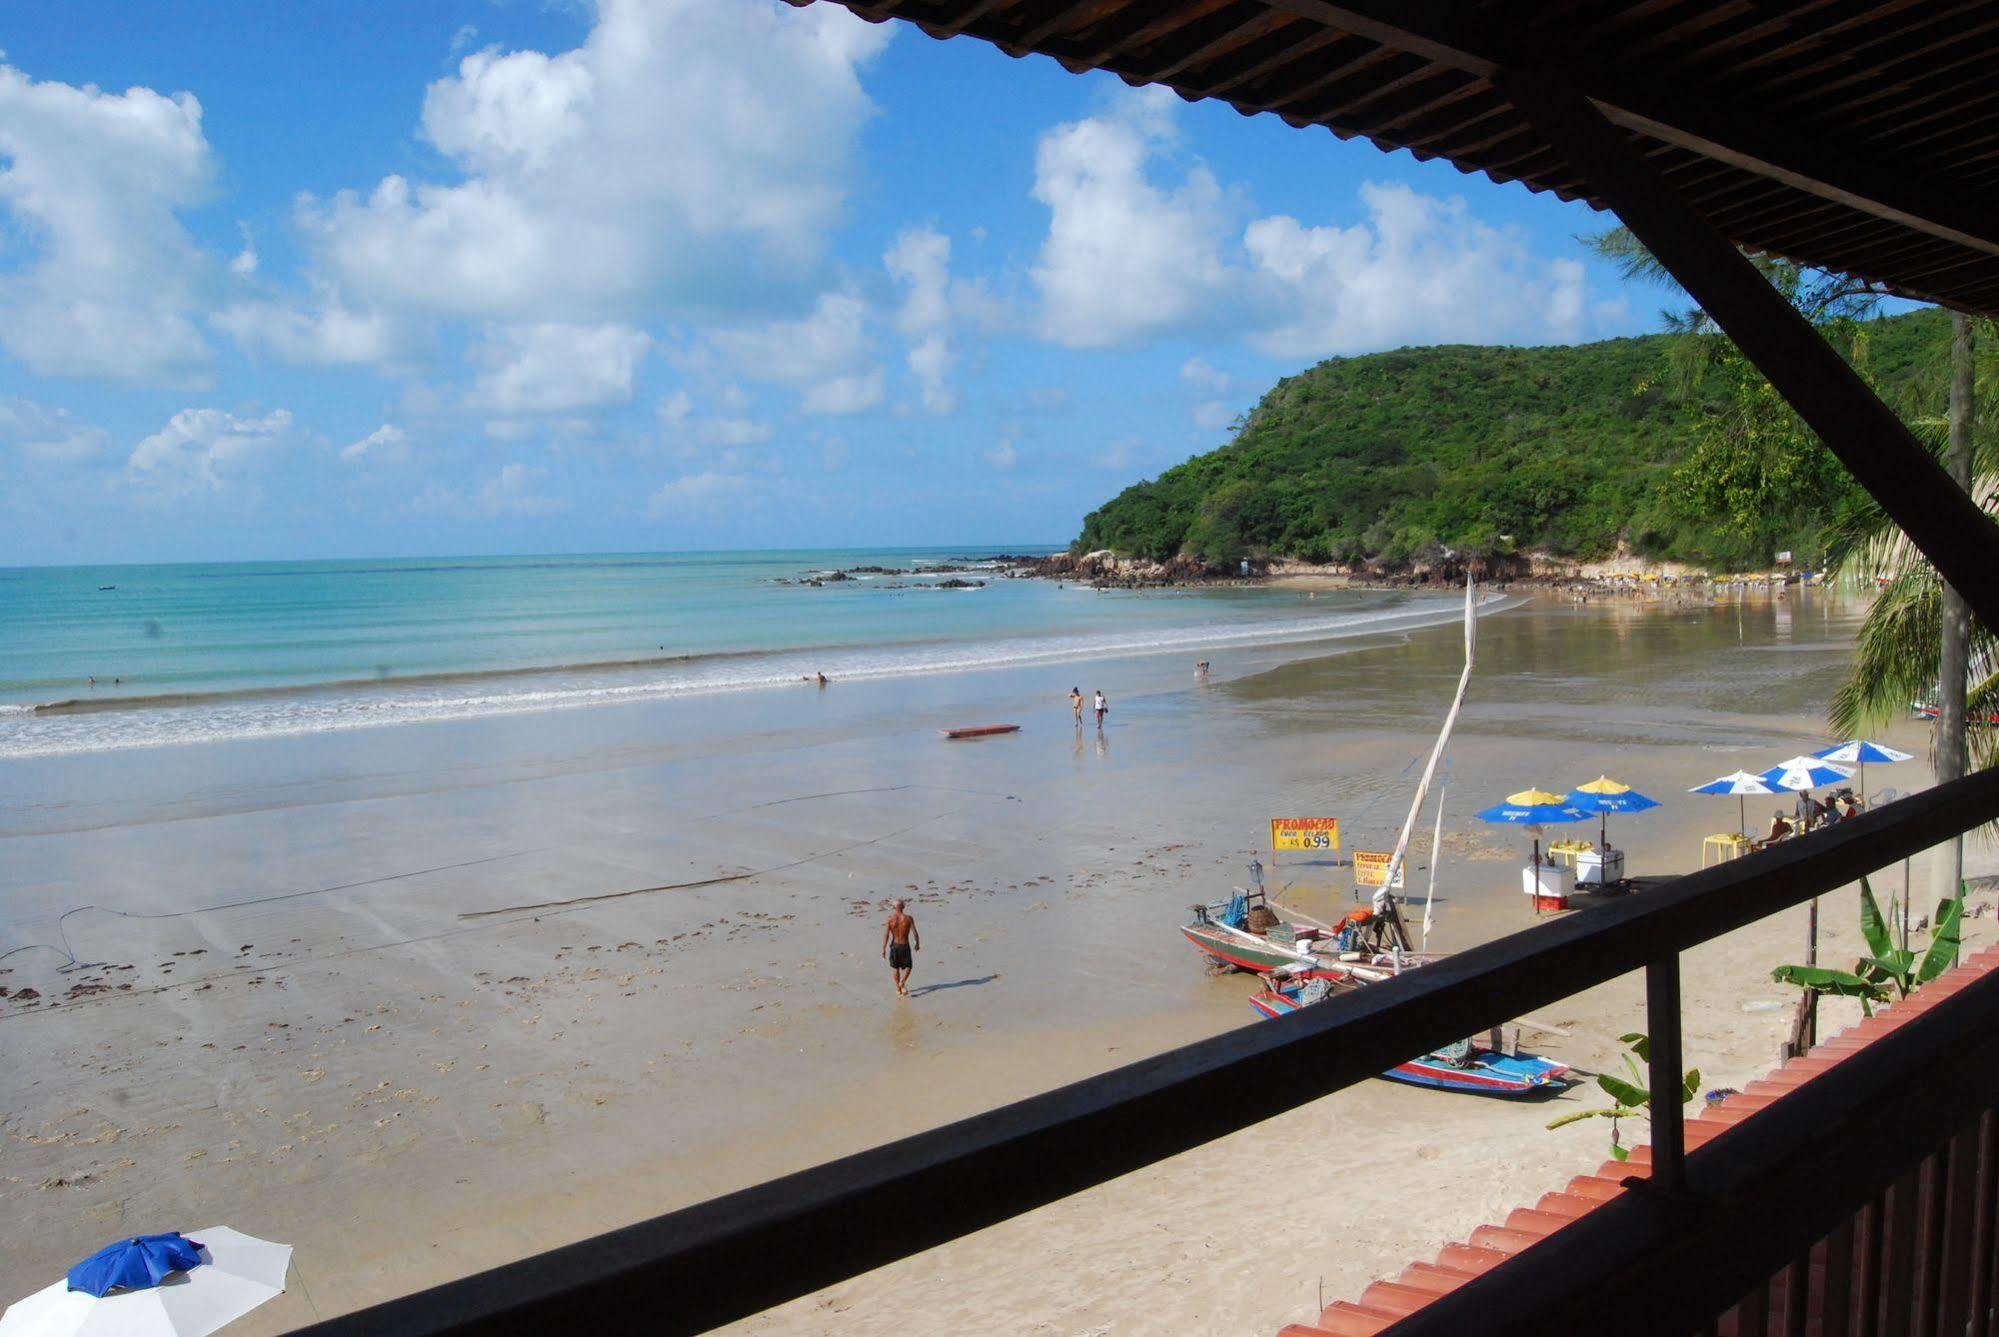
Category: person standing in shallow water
[1103,708]
[899,940]
[1076,703]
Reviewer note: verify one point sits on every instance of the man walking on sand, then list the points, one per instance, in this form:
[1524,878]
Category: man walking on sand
[899,940]
[1102,706]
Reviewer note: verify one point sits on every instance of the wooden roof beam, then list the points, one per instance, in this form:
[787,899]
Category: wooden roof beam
[1806,157]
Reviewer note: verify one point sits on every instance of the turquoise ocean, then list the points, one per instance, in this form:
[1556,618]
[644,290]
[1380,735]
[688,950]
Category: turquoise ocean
[207,652]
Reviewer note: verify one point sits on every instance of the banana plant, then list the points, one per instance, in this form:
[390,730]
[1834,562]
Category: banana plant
[1634,1101]
[1887,972]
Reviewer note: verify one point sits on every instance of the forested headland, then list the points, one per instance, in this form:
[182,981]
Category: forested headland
[1646,445]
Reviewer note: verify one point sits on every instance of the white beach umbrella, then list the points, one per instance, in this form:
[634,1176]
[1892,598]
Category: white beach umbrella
[1802,773]
[238,1272]
[1737,783]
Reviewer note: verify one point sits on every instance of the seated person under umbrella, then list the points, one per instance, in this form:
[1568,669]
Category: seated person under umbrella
[1779,829]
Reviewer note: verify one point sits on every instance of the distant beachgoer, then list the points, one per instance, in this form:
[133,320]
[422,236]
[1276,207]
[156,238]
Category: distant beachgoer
[93,680]
[822,679]
[1102,708]
[899,940]
[1779,828]
[1076,703]
[1852,808]
[1200,668]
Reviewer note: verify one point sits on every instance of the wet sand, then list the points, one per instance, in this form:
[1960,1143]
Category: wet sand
[424,999]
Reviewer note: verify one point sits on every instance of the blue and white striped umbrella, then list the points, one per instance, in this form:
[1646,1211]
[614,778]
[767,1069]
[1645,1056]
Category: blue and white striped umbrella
[1803,773]
[1858,752]
[1738,783]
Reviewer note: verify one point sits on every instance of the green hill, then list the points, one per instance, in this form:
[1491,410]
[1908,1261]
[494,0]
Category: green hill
[1567,449]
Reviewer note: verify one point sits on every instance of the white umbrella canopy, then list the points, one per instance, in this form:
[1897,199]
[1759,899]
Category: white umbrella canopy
[238,1273]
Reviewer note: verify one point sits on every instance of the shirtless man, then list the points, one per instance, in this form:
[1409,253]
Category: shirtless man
[899,940]
[1075,702]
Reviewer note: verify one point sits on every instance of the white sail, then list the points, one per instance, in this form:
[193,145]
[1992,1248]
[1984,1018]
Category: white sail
[1443,738]
[1436,857]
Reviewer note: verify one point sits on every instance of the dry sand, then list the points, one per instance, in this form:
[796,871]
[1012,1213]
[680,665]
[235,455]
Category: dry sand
[422,1000]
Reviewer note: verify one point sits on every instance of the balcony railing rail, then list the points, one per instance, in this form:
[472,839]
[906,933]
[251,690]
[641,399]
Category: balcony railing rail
[1704,1232]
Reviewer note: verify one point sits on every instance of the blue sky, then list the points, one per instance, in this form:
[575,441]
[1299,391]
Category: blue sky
[280,280]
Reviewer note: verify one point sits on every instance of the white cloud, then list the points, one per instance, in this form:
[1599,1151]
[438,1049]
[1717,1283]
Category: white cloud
[1212,415]
[548,368]
[206,448]
[50,436]
[845,394]
[1003,456]
[1119,454]
[827,355]
[93,183]
[920,261]
[734,431]
[1418,269]
[511,492]
[1137,248]
[387,440]
[692,492]
[324,334]
[1126,257]
[676,408]
[687,152]
[1197,373]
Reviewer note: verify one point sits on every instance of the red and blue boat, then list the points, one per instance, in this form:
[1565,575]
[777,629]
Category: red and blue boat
[1460,1067]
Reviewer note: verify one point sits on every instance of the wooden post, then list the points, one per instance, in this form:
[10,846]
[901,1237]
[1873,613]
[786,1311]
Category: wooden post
[1875,446]
[1666,1072]
[1954,662]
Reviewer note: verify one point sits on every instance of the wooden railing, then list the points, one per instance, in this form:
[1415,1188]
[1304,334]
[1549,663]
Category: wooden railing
[1708,1229]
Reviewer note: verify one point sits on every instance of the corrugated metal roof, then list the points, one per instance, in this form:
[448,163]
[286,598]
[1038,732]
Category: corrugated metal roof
[1384,1302]
[1858,137]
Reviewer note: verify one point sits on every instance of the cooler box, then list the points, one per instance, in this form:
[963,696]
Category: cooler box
[1599,868]
[1549,885]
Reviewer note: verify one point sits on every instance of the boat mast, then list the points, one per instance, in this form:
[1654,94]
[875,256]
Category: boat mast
[1430,770]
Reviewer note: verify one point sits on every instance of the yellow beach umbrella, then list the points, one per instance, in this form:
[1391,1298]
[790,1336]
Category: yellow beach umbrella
[1603,784]
[1532,798]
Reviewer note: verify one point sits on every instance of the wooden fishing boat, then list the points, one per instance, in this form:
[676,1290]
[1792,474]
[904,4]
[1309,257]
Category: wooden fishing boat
[1930,712]
[1464,1066]
[981,730]
[1248,933]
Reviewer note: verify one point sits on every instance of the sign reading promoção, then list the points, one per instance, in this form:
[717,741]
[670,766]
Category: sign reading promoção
[1304,833]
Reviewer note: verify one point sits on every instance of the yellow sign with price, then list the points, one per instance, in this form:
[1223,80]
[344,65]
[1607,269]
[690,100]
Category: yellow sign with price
[1304,833]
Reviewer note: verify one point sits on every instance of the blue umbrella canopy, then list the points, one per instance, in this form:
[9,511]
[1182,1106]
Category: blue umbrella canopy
[1604,796]
[1803,773]
[1533,807]
[135,1263]
[1858,752]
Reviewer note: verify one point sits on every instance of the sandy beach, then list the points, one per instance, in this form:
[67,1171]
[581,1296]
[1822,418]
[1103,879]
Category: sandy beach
[420,1000]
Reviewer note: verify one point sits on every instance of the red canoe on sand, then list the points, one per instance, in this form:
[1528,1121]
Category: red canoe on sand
[982,730]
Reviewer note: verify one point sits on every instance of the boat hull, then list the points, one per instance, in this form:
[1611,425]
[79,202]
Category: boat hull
[1242,951]
[982,731]
[1484,1072]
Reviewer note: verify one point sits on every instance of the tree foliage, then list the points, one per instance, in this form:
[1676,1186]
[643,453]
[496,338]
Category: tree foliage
[1490,450]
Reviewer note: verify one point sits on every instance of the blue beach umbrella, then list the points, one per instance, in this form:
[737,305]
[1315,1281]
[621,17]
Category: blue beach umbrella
[1858,752]
[170,1285]
[1604,796]
[1738,783]
[1534,808]
[135,1263]
[1800,774]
